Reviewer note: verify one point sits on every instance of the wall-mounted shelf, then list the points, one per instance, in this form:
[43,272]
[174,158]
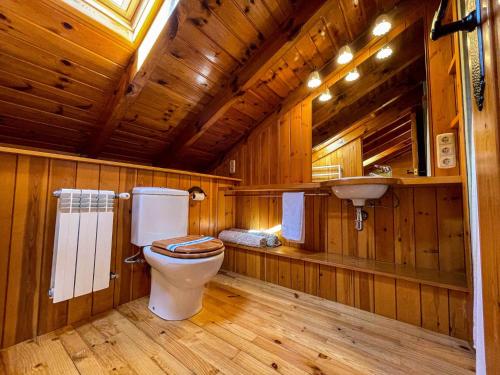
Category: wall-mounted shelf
[448,280]
[325,185]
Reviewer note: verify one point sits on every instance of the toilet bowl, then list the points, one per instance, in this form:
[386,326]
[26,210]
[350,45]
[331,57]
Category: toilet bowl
[177,284]
[181,265]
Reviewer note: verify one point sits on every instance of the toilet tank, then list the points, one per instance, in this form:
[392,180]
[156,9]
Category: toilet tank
[158,214]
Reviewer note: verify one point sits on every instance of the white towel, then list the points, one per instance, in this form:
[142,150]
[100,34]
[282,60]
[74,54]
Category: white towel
[292,222]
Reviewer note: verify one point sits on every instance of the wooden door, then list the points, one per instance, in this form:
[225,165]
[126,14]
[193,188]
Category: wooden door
[486,126]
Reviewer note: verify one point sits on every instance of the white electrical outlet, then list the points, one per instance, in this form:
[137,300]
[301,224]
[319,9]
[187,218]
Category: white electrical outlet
[446,150]
[232,166]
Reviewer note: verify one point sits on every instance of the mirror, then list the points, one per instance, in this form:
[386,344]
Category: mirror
[378,120]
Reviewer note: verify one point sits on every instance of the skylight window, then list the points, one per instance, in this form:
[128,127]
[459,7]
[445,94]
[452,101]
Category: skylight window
[127,18]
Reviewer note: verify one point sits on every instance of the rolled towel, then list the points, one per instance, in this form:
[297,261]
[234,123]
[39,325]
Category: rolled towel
[242,238]
[271,239]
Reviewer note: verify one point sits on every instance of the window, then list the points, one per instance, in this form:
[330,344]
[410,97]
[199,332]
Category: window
[127,18]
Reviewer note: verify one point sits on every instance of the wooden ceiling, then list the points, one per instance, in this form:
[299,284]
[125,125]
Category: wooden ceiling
[226,65]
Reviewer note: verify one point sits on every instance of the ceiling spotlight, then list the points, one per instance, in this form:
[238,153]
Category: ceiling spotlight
[382,25]
[314,80]
[325,96]
[352,75]
[345,55]
[384,53]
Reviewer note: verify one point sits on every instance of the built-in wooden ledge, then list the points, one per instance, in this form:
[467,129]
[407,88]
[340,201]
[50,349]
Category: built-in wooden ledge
[325,185]
[448,280]
[275,187]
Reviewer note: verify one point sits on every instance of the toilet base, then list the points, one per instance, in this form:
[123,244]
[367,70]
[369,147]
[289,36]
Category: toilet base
[172,303]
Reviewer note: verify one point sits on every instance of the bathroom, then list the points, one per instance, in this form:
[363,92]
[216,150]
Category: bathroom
[249,187]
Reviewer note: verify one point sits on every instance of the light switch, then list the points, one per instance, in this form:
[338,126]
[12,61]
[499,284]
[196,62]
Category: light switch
[232,166]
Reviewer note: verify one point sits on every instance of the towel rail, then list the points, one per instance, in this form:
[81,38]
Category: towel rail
[276,195]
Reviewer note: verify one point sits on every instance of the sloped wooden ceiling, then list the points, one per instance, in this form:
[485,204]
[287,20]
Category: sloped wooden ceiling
[215,80]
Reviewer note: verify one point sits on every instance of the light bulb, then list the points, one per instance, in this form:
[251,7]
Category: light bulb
[382,25]
[352,75]
[325,96]
[345,55]
[384,53]
[314,80]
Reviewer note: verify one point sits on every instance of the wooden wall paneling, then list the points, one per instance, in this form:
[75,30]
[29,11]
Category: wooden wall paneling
[87,177]
[160,179]
[297,275]
[173,181]
[255,265]
[141,277]
[426,238]
[459,315]
[334,225]
[272,269]
[385,296]
[366,238]
[62,174]
[349,232]
[364,292]
[296,143]
[435,311]
[102,300]
[25,259]
[311,278]
[306,140]
[205,219]
[124,249]
[284,272]
[284,151]
[240,261]
[327,282]
[7,189]
[404,227]
[384,228]
[194,210]
[408,302]
[450,229]
[345,285]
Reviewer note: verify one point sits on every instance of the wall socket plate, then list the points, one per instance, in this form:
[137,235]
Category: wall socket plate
[446,150]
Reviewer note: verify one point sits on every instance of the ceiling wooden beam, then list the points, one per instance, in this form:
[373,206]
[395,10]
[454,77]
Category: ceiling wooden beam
[387,152]
[163,30]
[307,13]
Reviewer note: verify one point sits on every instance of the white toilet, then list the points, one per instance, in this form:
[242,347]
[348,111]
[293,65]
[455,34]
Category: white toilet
[177,279]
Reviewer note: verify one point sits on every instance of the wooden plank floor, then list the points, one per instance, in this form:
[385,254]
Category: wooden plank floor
[246,327]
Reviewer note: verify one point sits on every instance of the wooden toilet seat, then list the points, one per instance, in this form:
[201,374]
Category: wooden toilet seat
[180,247]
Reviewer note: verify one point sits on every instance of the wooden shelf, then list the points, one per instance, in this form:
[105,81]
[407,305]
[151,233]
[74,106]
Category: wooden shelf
[275,187]
[325,185]
[423,180]
[448,280]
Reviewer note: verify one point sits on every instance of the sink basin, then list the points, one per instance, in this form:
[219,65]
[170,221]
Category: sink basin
[359,189]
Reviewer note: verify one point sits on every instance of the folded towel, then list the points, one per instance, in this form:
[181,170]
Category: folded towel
[242,238]
[292,222]
[271,239]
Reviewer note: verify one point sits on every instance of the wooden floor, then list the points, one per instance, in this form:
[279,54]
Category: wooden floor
[246,327]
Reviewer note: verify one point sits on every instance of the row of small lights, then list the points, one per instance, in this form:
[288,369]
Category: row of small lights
[382,27]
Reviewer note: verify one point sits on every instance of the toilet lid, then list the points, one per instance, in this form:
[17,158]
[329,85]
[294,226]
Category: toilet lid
[193,244]
[173,254]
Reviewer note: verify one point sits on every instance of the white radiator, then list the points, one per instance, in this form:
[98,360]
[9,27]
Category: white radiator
[82,245]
